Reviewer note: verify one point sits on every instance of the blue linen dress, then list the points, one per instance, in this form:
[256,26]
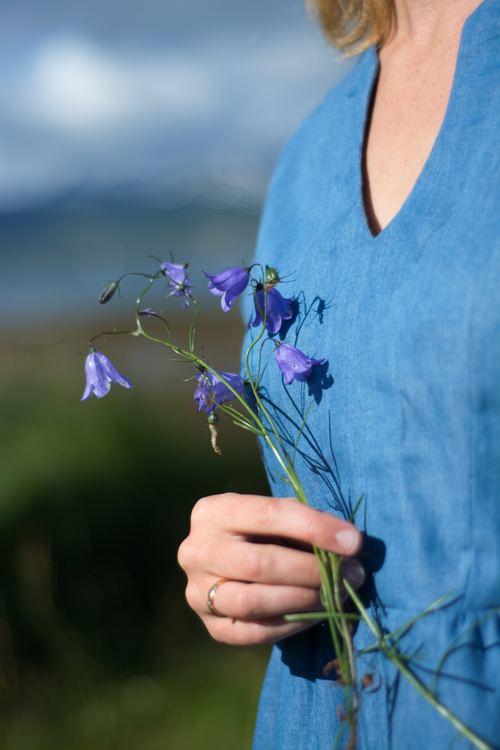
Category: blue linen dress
[407,409]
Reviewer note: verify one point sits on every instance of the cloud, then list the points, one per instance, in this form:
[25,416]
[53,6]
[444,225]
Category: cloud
[75,89]
[74,112]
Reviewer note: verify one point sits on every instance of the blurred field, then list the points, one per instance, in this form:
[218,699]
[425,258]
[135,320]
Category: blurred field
[97,646]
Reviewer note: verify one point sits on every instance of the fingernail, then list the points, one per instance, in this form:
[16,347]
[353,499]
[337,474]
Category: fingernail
[347,539]
[354,572]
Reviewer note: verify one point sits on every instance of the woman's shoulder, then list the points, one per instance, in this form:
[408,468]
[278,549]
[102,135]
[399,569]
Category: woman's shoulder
[316,173]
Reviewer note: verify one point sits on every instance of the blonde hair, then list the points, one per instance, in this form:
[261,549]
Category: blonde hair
[354,25]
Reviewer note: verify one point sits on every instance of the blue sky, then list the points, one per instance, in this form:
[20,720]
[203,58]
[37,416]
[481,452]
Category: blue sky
[159,99]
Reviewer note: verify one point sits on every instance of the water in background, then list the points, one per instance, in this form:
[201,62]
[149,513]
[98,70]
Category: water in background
[54,263]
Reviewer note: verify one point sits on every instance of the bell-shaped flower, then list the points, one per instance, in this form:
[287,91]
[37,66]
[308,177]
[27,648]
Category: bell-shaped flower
[228,285]
[179,284]
[293,363]
[278,309]
[100,373]
[212,391]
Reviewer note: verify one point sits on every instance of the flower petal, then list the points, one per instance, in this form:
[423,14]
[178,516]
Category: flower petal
[100,374]
[89,385]
[228,299]
[101,381]
[174,271]
[113,375]
[214,290]
[228,279]
[229,284]
[294,364]
[279,309]
[211,389]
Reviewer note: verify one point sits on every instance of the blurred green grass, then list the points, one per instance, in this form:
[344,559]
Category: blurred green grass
[98,648]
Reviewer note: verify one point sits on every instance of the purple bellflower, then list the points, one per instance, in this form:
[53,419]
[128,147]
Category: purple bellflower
[278,309]
[294,364]
[100,373]
[228,285]
[211,389]
[179,285]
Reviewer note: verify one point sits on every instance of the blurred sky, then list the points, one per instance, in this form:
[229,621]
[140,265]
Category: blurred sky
[141,128]
[154,98]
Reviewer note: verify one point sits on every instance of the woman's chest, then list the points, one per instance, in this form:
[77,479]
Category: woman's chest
[411,336]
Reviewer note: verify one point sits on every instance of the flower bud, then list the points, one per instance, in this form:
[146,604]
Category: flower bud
[108,293]
[272,277]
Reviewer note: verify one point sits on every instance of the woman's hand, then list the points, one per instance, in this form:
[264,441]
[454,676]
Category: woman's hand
[262,546]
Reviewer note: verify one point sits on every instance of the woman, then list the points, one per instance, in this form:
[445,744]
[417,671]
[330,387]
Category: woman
[385,207]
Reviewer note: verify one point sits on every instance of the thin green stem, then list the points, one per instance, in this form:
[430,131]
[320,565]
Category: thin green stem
[339,734]
[192,330]
[334,561]
[413,679]
[252,384]
[355,509]
[230,411]
[352,713]
[250,428]
[401,631]
[191,357]
[259,375]
[144,291]
[322,616]
[152,276]
[322,561]
[115,333]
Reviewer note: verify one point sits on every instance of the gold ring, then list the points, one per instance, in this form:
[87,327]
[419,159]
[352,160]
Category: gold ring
[210,600]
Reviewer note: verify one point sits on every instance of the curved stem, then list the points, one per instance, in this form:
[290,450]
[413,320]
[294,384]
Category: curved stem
[336,630]
[137,332]
[352,712]
[152,276]
[139,299]
[413,679]
[192,330]
[191,357]
[252,384]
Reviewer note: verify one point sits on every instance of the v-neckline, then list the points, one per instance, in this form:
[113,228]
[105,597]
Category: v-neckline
[421,194]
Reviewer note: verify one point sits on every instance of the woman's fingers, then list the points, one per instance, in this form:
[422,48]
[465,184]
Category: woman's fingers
[253,632]
[245,539]
[262,563]
[354,572]
[286,517]
[252,613]
[250,601]
[257,600]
